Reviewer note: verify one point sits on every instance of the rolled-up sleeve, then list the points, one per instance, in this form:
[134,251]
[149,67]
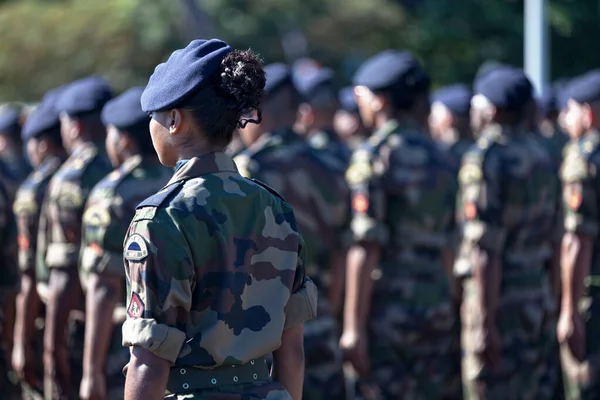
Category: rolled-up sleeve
[302,304]
[160,280]
[580,199]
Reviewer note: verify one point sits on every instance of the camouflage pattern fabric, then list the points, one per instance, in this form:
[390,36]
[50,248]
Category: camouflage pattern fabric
[582,215]
[403,189]
[215,272]
[27,209]
[313,182]
[64,203]
[329,142]
[109,210]
[508,205]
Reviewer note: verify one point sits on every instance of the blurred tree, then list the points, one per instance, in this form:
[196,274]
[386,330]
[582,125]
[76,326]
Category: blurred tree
[44,43]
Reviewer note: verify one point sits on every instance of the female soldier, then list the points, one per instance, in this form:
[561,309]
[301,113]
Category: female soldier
[214,262]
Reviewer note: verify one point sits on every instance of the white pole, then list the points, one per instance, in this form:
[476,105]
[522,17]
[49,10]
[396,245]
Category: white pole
[536,49]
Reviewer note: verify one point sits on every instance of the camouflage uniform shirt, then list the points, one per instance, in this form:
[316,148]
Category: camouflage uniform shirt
[508,205]
[215,271]
[27,209]
[60,227]
[403,188]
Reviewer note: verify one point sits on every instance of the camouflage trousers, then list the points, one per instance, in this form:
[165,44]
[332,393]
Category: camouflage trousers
[246,391]
[581,379]
[526,369]
[413,346]
[323,375]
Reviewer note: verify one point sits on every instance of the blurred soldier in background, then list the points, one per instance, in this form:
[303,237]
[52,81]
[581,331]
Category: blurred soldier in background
[110,208]
[398,317]
[347,122]
[314,185]
[83,136]
[41,133]
[449,121]
[316,112]
[11,146]
[579,321]
[508,206]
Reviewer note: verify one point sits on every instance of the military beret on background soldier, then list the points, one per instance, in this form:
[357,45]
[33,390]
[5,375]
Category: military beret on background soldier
[11,146]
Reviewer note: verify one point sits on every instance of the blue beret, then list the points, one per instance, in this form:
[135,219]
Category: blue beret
[183,73]
[486,67]
[388,69]
[506,87]
[45,116]
[84,96]
[585,89]
[347,100]
[278,75]
[457,98]
[310,85]
[125,112]
[10,116]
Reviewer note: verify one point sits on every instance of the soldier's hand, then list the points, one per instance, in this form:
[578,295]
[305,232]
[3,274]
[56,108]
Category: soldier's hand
[23,364]
[571,330]
[354,347]
[93,387]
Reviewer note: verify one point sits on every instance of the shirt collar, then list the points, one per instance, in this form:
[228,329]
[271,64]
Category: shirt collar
[205,164]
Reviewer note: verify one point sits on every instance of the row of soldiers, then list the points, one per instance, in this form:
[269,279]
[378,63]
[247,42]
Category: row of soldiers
[462,265]
[429,274]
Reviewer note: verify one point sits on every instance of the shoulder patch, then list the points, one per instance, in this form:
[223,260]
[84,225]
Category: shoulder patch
[96,215]
[156,200]
[136,306]
[135,248]
[269,188]
[470,173]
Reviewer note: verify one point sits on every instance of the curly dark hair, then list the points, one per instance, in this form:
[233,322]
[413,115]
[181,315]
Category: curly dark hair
[233,95]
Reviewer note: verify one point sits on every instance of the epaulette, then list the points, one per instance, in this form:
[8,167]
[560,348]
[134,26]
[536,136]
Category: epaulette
[269,188]
[156,200]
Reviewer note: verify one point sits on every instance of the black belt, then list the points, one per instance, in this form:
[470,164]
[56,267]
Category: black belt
[188,379]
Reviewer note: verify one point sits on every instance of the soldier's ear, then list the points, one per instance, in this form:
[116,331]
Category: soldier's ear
[175,121]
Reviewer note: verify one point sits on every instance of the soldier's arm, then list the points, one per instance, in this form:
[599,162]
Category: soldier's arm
[28,302]
[103,293]
[160,280]
[581,228]
[102,271]
[288,359]
[369,234]
[481,209]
